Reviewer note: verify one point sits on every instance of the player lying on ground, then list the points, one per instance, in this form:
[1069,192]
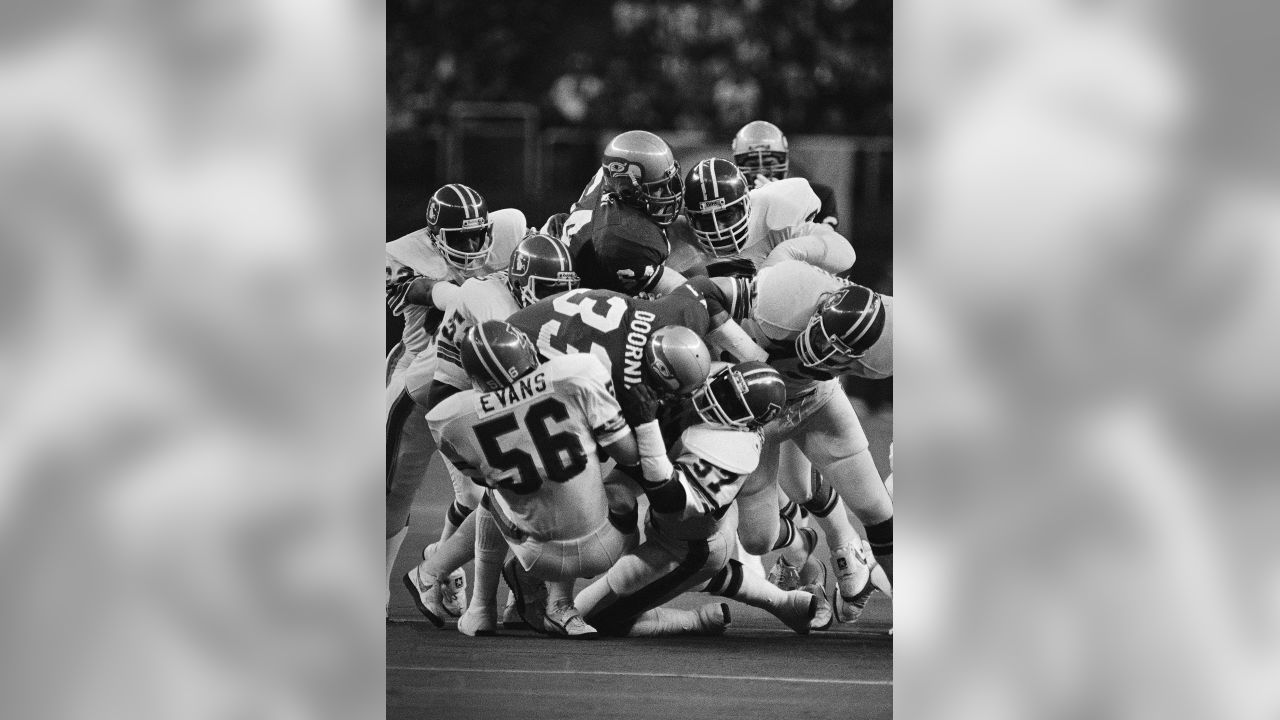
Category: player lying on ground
[816,327]
[690,532]
[461,239]
[540,266]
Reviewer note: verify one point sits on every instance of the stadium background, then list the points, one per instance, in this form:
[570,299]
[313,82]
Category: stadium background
[517,100]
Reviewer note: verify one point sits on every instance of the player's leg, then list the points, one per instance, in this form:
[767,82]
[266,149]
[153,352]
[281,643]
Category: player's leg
[795,608]
[481,617]
[833,439]
[429,581]
[409,451]
[761,527]
[626,600]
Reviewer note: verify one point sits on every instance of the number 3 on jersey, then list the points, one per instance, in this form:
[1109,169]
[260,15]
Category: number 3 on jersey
[560,454]
[575,304]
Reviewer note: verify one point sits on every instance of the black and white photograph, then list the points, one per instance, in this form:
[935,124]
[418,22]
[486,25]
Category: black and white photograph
[639,373]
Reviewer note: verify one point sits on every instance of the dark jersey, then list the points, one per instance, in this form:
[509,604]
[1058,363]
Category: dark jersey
[612,326]
[614,246]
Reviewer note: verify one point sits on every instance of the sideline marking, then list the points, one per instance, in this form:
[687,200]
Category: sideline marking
[519,671]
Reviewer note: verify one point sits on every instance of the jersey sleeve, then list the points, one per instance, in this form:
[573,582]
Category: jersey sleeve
[821,246]
[729,295]
[709,472]
[452,435]
[593,389]
[477,300]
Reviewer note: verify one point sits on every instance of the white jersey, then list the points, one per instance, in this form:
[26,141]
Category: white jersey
[712,462]
[535,443]
[780,211]
[787,295]
[477,300]
[415,252]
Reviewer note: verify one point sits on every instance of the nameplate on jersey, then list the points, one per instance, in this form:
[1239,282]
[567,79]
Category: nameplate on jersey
[633,348]
[521,391]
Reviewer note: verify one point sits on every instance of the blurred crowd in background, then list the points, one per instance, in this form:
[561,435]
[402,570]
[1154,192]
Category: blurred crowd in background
[811,66]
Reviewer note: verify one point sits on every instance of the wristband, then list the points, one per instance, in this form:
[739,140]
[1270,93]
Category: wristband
[654,463]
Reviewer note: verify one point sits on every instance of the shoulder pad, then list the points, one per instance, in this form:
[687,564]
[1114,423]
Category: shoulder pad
[416,251]
[737,451]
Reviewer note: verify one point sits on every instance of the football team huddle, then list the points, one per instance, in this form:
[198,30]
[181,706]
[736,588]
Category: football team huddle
[675,337]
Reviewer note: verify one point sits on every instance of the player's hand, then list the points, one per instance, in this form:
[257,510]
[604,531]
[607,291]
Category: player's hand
[639,404]
[398,288]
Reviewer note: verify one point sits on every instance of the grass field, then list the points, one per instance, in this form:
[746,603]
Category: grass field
[758,668]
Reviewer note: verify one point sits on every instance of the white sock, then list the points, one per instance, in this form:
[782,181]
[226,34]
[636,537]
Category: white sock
[665,621]
[491,550]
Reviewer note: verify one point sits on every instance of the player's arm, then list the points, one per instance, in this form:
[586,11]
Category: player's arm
[822,247]
[727,300]
[604,413]
[688,488]
[668,281]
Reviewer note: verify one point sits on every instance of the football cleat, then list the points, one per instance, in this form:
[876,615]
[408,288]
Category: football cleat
[530,595]
[495,354]
[843,328]
[425,590]
[478,623]
[459,226]
[453,589]
[815,581]
[853,581]
[563,619]
[713,618]
[540,267]
[678,361]
[760,149]
[640,170]
[511,619]
[797,610]
[784,576]
[718,205]
[746,396]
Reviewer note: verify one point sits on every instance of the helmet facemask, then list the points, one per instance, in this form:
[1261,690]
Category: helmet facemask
[772,164]
[820,349]
[532,288]
[662,200]
[466,248]
[721,400]
[721,229]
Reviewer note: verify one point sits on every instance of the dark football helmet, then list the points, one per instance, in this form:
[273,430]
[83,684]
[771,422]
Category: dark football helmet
[641,171]
[747,396]
[677,359]
[760,148]
[842,329]
[459,226]
[540,267]
[496,354]
[717,203]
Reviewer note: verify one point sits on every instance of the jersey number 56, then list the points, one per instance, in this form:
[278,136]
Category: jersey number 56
[560,454]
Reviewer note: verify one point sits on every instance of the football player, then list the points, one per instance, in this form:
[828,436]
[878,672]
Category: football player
[736,226]
[815,328]
[540,266]
[672,358]
[461,239]
[760,149]
[530,434]
[690,533]
[616,230]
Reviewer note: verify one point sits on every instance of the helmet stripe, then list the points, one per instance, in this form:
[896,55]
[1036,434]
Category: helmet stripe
[866,326]
[462,199]
[475,200]
[490,360]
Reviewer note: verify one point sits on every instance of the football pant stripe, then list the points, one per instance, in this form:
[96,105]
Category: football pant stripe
[618,616]
[401,409]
